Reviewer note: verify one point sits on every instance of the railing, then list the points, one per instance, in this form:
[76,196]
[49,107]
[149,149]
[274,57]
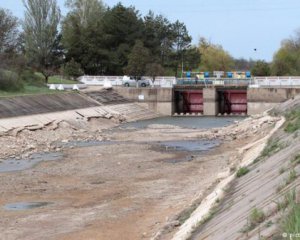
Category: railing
[276,82]
[160,81]
[215,82]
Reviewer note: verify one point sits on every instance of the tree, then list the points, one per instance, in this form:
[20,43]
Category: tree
[242,64]
[137,61]
[191,58]
[122,26]
[261,68]
[72,69]
[83,36]
[286,60]
[158,36]
[8,31]
[182,41]
[42,41]
[214,57]
[153,70]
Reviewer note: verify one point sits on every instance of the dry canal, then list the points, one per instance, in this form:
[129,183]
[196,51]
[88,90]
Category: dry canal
[134,182]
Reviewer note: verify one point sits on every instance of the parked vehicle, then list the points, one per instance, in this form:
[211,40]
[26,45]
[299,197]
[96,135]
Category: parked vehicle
[132,82]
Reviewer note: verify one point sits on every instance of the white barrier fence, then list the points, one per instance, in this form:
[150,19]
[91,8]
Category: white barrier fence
[275,82]
[160,81]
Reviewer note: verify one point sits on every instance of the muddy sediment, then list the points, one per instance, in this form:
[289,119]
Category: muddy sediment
[131,188]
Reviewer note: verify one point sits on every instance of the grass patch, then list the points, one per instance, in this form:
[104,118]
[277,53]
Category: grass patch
[29,90]
[281,170]
[291,177]
[291,222]
[256,217]
[292,121]
[57,79]
[242,171]
[273,146]
[296,160]
[269,224]
[282,205]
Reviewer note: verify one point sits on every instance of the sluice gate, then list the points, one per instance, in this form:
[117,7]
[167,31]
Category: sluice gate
[188,101]
[192,100]
[232,101]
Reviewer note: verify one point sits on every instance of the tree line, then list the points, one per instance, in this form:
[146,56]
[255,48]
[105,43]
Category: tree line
[95,39]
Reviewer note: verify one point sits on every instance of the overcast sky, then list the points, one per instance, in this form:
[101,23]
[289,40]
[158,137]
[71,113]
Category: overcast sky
[239,26]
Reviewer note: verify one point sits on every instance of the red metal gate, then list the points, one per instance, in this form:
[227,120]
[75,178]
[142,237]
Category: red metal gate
[193,101]
[236,101]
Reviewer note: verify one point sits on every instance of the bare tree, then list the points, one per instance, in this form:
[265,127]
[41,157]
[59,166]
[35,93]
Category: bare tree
[41,35]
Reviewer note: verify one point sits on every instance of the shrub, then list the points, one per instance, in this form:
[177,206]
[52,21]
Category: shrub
[256,216]
[10,81]
[296,160]
[31,78]
[273,146]
[292,176]
[242,171]
[72,69]
[292,121]
[291,222]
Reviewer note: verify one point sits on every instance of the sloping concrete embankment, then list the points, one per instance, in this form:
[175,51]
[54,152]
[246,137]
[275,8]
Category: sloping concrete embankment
[37,104]
[249,154]
[35,112]
[263,188]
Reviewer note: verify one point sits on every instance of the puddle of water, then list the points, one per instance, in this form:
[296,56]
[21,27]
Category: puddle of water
[25,205]
[185,122]
[11,165]
[190,145]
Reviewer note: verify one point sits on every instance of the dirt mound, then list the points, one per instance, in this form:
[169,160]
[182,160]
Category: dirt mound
[28,105]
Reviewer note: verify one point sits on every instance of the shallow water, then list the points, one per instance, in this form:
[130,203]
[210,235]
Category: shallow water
[11,165]
[190,145]
[25,205]
[185,122]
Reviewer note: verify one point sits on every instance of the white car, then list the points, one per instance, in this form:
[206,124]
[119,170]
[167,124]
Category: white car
[131,82]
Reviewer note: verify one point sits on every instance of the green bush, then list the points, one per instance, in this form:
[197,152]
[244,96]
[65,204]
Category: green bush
[291,222]
[33,79]
[256,216]
[242,171]
[292,121]
[10,81]
[72,69]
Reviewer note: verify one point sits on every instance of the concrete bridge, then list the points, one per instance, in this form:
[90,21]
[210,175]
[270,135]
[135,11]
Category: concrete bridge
[211,100]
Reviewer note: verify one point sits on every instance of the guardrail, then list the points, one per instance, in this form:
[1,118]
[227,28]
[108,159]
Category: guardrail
[216,81]
[160,81]
[276,82]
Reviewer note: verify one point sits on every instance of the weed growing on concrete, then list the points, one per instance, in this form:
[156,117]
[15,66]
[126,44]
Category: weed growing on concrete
[256,216]
[296,160]
[291,177]
[273,146]
[269,224]
[281,170]
[282,205]
[242,171]
[291,222]
[292,121]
